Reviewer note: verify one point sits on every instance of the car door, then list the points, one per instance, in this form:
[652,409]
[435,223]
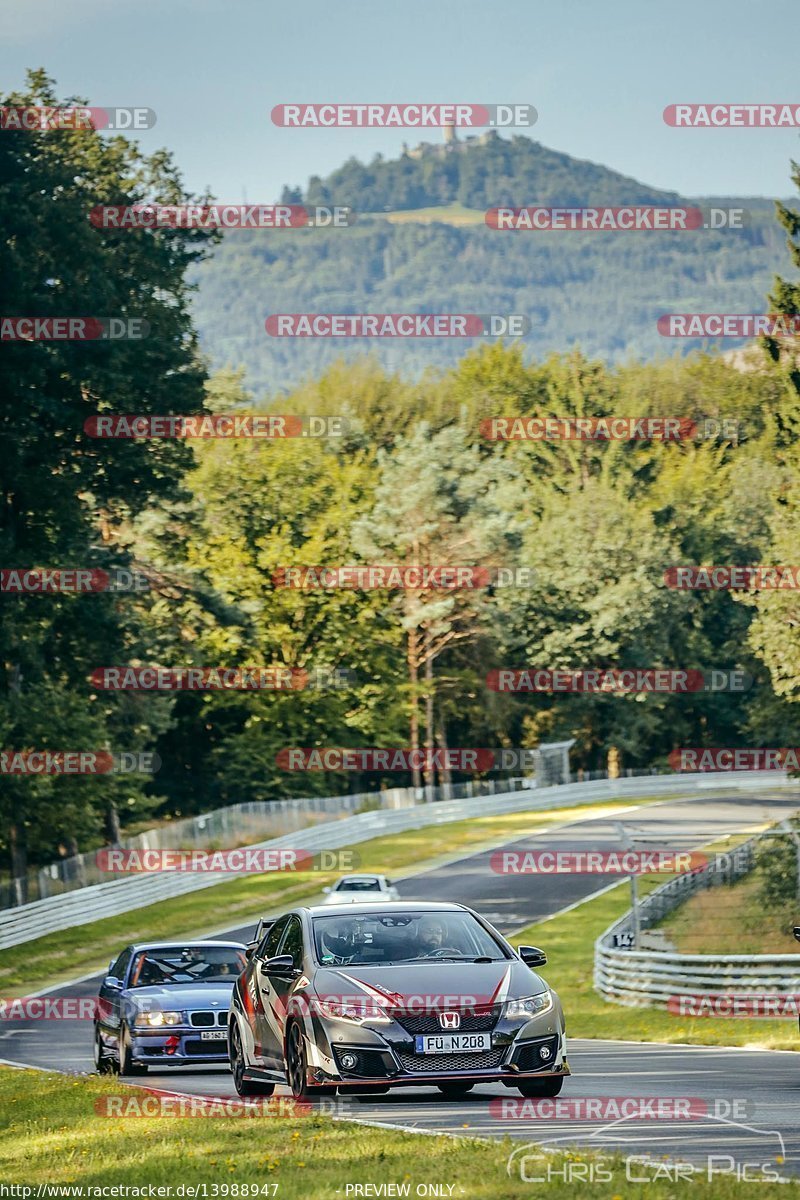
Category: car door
[265,1019]
[109,1001]
[281,987]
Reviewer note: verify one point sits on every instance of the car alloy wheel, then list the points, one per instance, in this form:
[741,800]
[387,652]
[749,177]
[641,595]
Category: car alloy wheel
[550,1086]
[296,1068]
[244,1087]
[102,1063]
[126,1064]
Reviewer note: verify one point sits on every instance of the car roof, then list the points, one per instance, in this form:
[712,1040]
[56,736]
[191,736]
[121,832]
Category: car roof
[187,942]
[382,906]
[363,875]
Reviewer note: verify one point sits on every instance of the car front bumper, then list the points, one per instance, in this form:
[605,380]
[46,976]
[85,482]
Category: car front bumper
[177,1046]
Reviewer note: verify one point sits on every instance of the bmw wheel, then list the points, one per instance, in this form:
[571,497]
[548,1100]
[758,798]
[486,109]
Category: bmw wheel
[244,1087]
[102,1063]
[126,1064]
[297,1067]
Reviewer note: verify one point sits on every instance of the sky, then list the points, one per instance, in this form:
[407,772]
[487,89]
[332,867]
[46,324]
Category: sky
[599,75]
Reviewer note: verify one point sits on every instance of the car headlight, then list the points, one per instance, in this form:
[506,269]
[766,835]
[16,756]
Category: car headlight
[356,1011]
[530,1006]
[155,1019]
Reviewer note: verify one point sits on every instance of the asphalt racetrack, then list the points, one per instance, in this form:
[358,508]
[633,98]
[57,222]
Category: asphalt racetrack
[751,1109]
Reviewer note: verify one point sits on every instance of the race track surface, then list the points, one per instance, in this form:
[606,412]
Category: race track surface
[746,1104]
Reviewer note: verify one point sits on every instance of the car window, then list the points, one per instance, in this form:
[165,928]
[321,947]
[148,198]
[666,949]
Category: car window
[359,885]
[388,937]
[269,945]
[293,942]
[170,965]
[120,967]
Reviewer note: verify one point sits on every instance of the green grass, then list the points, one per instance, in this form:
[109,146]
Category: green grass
[51,1133]
[446,214]
[732,919]
[568,941]
[62,956]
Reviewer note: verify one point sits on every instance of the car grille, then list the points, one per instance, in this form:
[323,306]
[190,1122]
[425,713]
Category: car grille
[481,1020]
[195,1046]
[528,1058]
[436,1064]
[205,1019]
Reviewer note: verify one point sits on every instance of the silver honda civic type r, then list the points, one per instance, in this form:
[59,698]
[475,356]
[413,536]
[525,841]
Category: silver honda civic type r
[371,997]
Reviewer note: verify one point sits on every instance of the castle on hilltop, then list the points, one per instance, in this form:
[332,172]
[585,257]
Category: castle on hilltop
[450,145]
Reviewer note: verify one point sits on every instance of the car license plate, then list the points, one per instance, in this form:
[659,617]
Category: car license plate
[213,1035]
[452,1043]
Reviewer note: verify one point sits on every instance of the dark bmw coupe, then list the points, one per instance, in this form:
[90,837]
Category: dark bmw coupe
[389,995]
[166,1004]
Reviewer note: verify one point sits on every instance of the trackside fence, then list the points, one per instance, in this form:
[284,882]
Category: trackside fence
[29,921]
[638,978]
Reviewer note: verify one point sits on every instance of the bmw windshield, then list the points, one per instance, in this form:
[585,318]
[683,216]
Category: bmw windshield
[187,964]
[386,939]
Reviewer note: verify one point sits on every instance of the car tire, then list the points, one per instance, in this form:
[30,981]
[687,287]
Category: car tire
[126,1064]
[102,1062]
[454,1090]
[244,1087]
[294,1056]
[533,1088]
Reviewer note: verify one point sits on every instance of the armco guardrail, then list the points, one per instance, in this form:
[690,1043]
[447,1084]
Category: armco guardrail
[636,978]
[34,920]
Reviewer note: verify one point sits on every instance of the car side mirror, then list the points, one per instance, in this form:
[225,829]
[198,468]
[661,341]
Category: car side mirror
[326,889]
[796,932]
[282,965]
[532,956]
[114,984]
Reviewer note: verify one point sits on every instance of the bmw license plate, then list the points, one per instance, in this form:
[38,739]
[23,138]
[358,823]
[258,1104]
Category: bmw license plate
[452,1043]
[213,1035]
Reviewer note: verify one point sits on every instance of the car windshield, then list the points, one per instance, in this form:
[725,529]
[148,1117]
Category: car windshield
[385,938]
[186,964]
[359,885]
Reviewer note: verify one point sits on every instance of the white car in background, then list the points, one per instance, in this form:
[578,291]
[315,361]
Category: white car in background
[360,889]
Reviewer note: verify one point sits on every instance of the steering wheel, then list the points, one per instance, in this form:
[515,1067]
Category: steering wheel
[441,951]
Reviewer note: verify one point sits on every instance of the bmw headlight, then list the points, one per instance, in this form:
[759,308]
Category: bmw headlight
[530,1006]
[154,1020]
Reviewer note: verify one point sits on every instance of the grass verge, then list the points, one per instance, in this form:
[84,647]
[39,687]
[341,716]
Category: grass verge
[569,941]
[59,957]
[51,1134]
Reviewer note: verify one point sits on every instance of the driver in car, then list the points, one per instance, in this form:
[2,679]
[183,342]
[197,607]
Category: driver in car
[431,933]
